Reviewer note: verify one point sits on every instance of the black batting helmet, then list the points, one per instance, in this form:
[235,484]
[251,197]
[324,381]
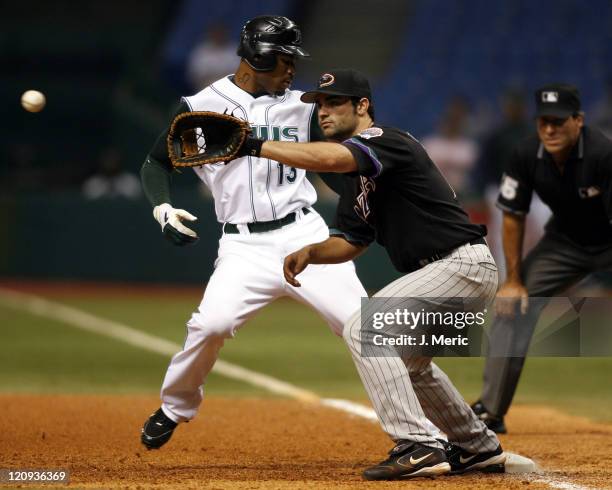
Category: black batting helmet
[265,36]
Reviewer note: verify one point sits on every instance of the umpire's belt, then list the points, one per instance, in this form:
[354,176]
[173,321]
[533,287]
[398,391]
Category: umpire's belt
[263,226]
[433,258]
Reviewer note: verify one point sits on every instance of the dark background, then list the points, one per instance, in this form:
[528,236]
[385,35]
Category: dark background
[112,71]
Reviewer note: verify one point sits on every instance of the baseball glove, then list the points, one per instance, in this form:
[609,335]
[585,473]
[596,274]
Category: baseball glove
[201,138]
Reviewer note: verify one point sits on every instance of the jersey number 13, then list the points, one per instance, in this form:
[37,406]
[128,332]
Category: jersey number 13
[289,176]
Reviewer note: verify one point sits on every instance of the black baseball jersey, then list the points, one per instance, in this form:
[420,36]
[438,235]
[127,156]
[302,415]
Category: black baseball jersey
[580,197]
[400,199]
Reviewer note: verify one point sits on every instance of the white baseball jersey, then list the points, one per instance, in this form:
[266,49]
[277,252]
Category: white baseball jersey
[257,189]
[248,272]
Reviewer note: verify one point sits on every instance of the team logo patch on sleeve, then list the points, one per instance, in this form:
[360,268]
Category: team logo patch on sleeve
[371,133]
[588,192]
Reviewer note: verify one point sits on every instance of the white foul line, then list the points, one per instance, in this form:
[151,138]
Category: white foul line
[82,320]
[560,484]
[137,338]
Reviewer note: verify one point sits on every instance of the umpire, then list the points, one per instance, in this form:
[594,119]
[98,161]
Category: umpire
[569,166]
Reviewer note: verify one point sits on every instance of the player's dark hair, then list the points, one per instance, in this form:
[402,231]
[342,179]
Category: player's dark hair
[355,101]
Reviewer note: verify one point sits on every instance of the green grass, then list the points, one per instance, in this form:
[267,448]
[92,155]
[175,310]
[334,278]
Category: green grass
[45,355]
[286,340]
[580,386]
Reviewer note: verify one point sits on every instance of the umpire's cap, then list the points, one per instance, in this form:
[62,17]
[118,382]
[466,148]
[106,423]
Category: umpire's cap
[557,100]
[340,81]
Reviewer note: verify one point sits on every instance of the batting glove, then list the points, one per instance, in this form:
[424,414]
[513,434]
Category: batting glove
[171,221]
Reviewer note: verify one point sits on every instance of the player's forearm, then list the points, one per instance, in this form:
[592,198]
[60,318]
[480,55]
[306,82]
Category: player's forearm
[334,250]
[513,233]
[317,157]
[156,178]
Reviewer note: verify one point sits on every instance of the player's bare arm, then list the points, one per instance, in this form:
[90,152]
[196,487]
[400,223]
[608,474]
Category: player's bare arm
[334,250]
[513,288]
[340,117]
[317,157]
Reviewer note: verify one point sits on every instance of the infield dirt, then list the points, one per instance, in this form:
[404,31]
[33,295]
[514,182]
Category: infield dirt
[265,444]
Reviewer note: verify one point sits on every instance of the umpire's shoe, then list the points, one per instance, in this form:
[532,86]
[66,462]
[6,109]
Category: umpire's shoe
[157,430]
[496,424]
[462,461]
[409,459]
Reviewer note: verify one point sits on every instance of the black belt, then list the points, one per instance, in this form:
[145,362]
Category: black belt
[263,226]
[435,257]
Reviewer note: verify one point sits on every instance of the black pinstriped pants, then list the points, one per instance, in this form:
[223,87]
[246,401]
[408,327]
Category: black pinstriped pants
[408,392]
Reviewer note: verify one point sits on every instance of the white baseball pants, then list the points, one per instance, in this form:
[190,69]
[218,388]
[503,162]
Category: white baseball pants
[248,275]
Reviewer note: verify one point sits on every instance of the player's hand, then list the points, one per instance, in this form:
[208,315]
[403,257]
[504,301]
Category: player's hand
[171,222]
[508,296]
[296,263]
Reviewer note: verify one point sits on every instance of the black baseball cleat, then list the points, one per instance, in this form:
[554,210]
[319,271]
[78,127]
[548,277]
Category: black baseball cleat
[496,424]
[462,461]
[157,430]
[410,460]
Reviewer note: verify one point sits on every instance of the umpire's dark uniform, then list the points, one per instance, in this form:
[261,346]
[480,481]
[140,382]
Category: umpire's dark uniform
[577,240]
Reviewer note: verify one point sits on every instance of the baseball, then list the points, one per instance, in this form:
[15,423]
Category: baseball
[33,101]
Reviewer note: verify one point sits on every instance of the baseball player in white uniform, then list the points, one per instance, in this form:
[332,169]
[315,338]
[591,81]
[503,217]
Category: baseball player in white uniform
[265,211]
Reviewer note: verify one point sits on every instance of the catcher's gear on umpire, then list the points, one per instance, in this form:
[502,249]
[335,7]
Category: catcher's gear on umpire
[264,36]
[171,220]
[201,138]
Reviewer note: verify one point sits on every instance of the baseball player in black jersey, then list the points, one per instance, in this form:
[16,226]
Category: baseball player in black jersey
[394,194]
[569,165]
